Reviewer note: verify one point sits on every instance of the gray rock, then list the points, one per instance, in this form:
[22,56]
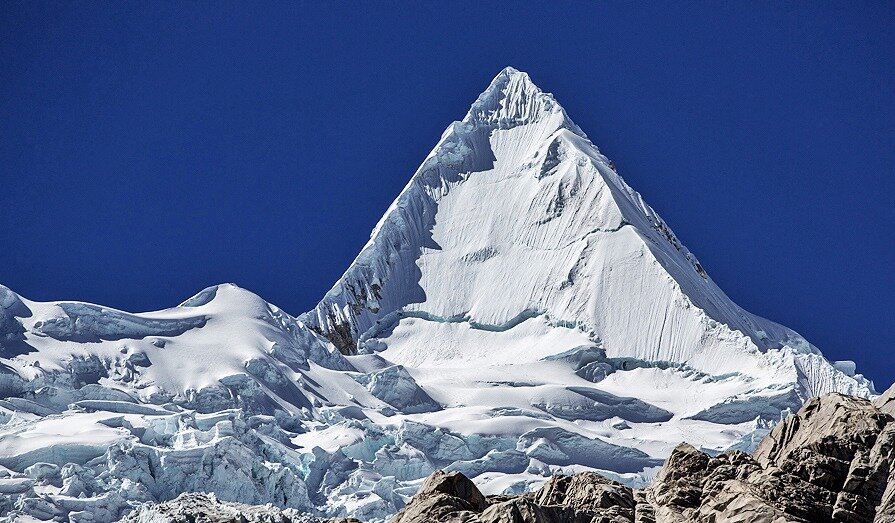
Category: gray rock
[445,496]
[583,498]
[587,493]
[522,510]
[194,507]
[830,462]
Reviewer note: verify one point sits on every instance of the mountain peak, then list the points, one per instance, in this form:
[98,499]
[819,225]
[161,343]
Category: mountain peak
[511,74]
[510,70]
[512,99]
[516,192]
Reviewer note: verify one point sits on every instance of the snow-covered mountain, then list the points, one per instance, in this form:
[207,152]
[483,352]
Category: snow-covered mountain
[518,311]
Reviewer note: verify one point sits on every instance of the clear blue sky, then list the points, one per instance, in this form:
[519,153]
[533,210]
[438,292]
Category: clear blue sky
[150,149]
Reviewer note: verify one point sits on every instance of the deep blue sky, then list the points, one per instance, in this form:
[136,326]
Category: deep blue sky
[150,149]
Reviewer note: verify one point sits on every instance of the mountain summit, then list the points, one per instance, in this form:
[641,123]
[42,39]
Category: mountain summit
[518,312]
[515,215]
[512,99]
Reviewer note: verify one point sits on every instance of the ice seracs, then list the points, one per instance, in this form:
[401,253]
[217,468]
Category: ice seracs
[518,311]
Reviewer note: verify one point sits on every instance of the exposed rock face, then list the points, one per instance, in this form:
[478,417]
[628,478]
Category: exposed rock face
[206,508]
[831,462]
[584,498]
[445,496]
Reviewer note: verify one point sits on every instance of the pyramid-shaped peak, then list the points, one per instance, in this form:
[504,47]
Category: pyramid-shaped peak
[512,99]
[510,70]
[508,74]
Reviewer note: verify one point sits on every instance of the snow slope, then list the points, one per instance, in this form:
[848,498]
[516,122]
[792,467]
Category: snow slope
[518,311]
[515,214]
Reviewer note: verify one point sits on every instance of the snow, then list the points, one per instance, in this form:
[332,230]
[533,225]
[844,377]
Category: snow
[518,311]
[447,343]
[59,440]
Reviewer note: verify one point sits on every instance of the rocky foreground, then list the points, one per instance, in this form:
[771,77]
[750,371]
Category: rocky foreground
[201,507]
[831,462]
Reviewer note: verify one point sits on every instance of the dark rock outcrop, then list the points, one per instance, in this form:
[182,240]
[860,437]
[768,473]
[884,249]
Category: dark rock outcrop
[445,496]
[582,498]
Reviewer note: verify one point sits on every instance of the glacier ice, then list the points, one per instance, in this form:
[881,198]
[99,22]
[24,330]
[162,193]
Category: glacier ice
[395,386]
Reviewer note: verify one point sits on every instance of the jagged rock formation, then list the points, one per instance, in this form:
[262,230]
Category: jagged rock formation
[584,497]
[831,462]
[206,508]
[196,507]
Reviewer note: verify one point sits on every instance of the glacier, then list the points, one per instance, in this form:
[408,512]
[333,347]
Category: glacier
[519,311]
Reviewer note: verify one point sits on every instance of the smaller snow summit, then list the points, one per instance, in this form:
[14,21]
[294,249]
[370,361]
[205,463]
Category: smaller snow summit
[518,312]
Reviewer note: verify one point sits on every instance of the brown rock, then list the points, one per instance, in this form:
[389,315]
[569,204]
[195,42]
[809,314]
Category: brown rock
[521,510]
[444,497]
[586,491]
